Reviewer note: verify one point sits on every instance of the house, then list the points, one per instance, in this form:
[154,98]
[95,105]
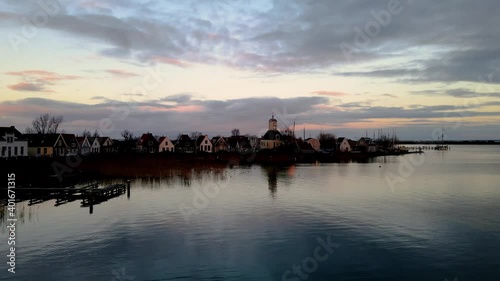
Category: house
[219,144]
[272,138]
[239,143]
[50,145]
[305,147]
[12,143]
[203,144]
[147,143]
[95,145]
[366,145]
[314,143]
[125,146]
[343,145]
[165,145]
[84,144]
[72,146]
[106,144]
[184,144]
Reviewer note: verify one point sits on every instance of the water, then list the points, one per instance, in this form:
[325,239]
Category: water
[431,217]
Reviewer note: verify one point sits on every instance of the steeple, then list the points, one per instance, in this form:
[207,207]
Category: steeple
[273,123]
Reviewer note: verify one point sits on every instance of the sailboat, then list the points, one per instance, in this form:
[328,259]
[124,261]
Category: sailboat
[441,146]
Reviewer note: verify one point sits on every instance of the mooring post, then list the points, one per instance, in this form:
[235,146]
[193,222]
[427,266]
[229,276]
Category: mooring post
[91,203]
[128,189]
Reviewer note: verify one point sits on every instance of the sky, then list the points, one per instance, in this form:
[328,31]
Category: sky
[351,68]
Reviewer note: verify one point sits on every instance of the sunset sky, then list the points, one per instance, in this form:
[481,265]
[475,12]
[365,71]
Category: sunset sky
[169,67]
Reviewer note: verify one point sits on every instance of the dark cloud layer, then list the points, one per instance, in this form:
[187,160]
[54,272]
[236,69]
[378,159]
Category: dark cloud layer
[459,37]
[182,113]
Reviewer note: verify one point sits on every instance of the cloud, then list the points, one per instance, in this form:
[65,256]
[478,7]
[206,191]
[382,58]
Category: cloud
[120,73]
[37,80]
[329,93]
[250,115]
[28,87]
[171,61]
[280,36]
[457,93]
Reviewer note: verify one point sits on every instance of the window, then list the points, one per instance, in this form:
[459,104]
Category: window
[3,150]
[38,150]
[44,151]
[206,141]
[15,151]
[59,143]
[10,139]
[73,145]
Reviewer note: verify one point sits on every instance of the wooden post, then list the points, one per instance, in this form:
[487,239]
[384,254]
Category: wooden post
[91,203]
[128,189]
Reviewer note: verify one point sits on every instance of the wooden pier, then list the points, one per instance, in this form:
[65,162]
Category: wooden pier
[90,194]
[98,195]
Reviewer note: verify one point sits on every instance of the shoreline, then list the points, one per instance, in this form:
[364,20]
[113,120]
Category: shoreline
[64,171]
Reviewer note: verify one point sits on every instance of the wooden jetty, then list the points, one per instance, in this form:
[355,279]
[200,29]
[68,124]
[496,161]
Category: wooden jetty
[98,195]
[90,194]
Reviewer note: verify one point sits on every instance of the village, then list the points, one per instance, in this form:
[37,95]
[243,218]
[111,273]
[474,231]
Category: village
[14,144]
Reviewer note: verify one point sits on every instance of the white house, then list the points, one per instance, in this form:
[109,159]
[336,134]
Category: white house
[165,145]
[101,145]
[203,144]
[12,143]
[84,144]
[95,145]
[343,145]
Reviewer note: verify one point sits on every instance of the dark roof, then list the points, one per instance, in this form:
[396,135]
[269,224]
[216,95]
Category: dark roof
[80,140]
[184,140]
[305,146]
[145,138]
[200,139]
[42,140]
[101,140]
[11,130]
[341,139]
[241,141]
[69,139]
[271,135]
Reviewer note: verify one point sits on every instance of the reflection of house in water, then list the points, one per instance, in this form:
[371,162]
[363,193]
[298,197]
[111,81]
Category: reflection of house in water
[275,173]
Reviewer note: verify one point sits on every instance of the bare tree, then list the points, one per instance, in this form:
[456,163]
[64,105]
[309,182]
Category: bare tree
[96,134]
[45,124]
[127,135]
[195,135]
[235,132]
[86,133]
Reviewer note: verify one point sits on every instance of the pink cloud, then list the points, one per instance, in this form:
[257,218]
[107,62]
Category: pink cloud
[329,93]
[171,61]
[37,80]
[121,73]
[28,87]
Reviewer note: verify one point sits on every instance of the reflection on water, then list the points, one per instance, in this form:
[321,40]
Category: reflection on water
[441,222]
[275,173]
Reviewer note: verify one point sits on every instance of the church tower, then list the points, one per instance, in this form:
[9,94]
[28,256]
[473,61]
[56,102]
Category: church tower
[273,123]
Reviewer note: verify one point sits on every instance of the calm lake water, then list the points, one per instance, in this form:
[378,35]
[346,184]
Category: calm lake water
[429,217]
